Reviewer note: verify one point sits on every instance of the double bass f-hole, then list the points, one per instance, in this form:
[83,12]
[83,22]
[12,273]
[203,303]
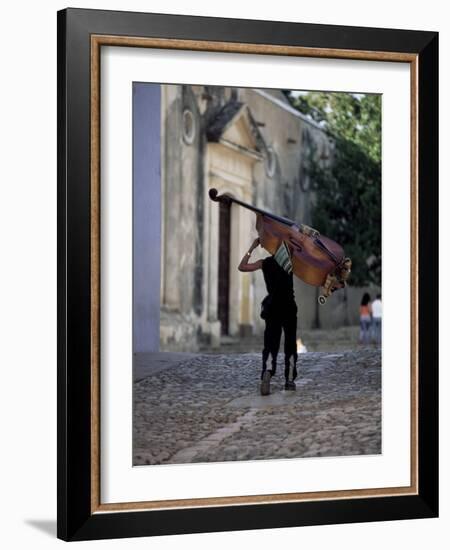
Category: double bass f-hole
[297,247]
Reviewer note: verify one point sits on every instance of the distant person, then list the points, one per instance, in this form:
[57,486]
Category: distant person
[279,312]
[365,319]
[377,311]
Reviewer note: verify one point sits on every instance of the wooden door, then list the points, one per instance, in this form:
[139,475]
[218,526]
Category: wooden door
[224,266]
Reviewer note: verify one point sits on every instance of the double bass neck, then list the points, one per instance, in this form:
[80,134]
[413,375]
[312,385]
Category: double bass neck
[226,198]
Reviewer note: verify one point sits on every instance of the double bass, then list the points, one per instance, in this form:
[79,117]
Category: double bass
[315,259]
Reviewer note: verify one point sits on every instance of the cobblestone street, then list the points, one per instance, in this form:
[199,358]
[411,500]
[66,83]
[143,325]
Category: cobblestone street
[207,408]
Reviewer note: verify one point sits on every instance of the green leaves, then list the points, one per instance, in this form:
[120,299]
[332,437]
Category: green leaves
[348,191]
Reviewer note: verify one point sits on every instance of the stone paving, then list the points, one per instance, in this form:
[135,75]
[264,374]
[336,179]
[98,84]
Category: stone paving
[207,408]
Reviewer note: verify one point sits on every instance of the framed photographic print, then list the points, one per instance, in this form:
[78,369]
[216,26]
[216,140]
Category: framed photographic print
[247,271]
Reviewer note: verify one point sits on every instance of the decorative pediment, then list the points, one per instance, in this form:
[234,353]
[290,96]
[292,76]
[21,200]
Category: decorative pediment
[235,127]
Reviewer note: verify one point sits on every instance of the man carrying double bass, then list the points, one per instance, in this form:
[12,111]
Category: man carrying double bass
[296,249]
[279,312]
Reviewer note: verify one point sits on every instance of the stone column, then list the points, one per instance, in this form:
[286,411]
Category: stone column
[173,178]
[246,234]
[212,324]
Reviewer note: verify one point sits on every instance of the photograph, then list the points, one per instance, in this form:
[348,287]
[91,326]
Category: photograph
[257,291]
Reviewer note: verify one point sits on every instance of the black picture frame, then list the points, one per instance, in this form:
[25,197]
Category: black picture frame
[76,518]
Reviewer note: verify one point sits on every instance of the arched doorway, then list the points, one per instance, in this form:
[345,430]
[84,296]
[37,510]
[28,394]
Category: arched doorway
[231,154]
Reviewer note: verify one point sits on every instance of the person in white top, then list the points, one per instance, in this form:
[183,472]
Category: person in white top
[377,310]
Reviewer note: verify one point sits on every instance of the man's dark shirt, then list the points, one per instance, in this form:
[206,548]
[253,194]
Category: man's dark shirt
[279,285]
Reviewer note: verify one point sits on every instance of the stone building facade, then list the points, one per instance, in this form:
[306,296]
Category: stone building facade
[254,145]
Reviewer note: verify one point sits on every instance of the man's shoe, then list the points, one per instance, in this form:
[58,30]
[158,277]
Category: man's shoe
[265,383]
[290,385]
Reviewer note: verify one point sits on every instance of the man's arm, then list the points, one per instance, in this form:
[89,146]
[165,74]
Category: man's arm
[245,265]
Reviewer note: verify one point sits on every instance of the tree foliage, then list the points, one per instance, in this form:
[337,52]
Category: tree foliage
[348,190]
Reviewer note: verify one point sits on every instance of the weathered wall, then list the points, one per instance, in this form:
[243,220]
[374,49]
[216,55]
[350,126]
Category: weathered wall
[182,290]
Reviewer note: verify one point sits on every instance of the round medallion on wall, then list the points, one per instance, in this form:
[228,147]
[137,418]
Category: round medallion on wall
[189,127]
